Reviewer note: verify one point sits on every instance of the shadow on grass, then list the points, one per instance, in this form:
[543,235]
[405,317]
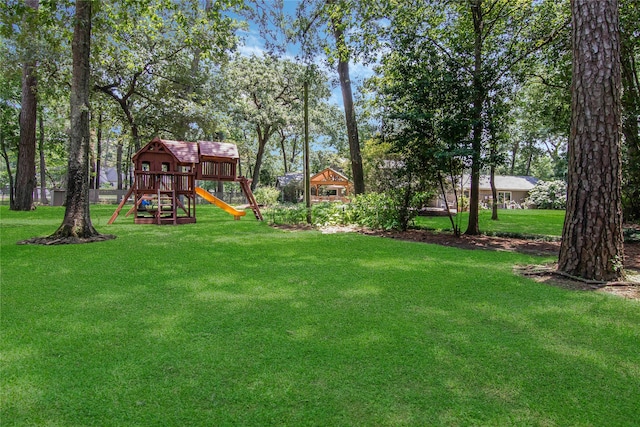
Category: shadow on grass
[235,323]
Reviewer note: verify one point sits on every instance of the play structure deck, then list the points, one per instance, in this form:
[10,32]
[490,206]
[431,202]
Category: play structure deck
[165,175]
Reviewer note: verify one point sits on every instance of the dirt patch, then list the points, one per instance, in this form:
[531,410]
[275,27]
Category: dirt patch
[545,274]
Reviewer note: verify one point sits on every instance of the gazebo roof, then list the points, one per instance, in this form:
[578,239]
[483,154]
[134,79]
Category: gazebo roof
[330,176]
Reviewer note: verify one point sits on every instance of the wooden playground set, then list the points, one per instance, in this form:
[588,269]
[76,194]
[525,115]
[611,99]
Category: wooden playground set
[164,186]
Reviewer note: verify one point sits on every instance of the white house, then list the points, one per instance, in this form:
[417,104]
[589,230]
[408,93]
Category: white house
[512,191]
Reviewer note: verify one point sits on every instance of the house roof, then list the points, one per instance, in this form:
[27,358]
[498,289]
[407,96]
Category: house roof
[218,149]
[289,178]
[504,182]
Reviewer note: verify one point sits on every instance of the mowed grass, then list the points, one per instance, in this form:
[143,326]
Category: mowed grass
[234,323]
[532,222]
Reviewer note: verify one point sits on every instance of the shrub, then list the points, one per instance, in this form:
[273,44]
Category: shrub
[267,196]
[549,195]
[373,210]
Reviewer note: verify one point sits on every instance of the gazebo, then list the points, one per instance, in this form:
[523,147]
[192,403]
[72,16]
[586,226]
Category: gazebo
[330,185]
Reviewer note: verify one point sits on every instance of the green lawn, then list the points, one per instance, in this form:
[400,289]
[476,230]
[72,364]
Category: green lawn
[510,221]
[234,323]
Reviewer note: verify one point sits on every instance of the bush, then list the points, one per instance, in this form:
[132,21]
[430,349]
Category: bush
[267,196]
[373,210]
[549,195]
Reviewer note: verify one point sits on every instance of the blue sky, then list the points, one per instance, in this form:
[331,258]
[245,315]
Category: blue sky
[253,43]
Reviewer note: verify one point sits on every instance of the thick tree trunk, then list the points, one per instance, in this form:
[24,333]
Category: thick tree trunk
[349,110]
[352,128]
[26,167]
[592,240]
[76,225]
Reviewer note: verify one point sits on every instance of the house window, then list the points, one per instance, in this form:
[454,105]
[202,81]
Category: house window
[146,166]
[504,198]
[165,167]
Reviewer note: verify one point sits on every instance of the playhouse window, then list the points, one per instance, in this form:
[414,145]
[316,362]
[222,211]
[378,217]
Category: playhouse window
[146,166]
[165,167]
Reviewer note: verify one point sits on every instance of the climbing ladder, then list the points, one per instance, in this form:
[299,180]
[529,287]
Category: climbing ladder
[166,205]
[246,188]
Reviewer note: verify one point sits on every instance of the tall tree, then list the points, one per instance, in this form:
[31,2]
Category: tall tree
[592,240]
[337,12]
[76,226]
[149,58]
[315,22]
[26,168]
[505,34]
[485,42]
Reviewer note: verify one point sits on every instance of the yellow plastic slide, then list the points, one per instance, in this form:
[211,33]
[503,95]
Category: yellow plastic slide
[219,203]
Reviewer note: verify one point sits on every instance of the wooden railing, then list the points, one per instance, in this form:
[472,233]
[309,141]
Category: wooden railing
[164,181]
[218,171]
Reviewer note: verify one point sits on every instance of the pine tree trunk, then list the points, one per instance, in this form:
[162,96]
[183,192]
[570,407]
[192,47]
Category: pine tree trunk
[349,110]
[26,168]
[592,240]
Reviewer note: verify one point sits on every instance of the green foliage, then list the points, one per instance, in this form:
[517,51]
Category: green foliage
[263,95]
[267,196]
[376,210]
[229,322]
[381,211]
[292,214]
[549,195]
